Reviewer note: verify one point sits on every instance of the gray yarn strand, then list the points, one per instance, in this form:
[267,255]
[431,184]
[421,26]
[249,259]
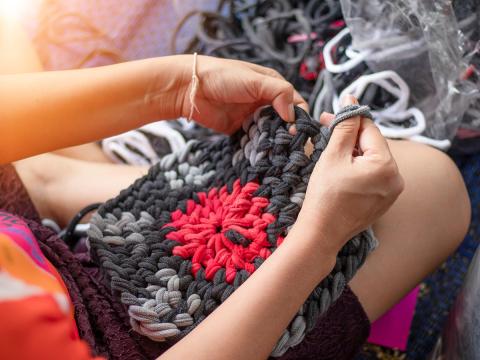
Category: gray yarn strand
[349,112]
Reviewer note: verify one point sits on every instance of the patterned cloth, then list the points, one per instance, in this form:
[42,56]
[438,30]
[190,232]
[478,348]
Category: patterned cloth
[183,238]
[37,315]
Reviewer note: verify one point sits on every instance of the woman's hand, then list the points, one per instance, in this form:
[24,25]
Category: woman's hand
[355,181]
[108,100]
[229,91]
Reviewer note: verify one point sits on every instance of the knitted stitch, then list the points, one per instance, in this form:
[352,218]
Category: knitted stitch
[183,238]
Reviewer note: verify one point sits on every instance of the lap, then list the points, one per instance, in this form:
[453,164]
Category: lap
[417,234]
[422,228]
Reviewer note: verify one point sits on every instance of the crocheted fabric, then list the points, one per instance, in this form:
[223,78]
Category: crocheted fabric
[180,240]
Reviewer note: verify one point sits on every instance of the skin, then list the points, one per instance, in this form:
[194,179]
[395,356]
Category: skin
[424,223]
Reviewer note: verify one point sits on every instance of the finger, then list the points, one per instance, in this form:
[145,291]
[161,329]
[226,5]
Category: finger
[264,70]
[344,137]
[326,118]
[300,101]
[371,141]
[292,130]
[280,94]
[297,98]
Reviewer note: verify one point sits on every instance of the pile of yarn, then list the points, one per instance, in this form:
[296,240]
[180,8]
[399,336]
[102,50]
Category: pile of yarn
[286,35]
[307,42]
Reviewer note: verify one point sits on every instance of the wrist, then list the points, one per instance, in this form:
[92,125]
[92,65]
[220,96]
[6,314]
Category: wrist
[168,86]
[304,248]
[320,236]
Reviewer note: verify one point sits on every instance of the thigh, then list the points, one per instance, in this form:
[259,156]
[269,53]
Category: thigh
[61,186]
[86,152]
[422,228]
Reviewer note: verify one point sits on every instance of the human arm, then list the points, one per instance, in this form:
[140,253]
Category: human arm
[45,111]
[346,193]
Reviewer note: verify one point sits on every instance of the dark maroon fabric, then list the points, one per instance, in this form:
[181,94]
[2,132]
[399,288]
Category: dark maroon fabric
[102,320]
[14,197]
[338,335]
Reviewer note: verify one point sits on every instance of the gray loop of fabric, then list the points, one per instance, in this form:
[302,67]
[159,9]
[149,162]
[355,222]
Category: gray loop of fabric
[349,112]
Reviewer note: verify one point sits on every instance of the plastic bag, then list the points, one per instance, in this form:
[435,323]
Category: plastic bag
[420,41]
[461,337]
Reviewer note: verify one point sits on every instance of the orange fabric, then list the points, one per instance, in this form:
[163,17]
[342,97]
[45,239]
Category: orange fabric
[35,328]
[36,314]
[18,264]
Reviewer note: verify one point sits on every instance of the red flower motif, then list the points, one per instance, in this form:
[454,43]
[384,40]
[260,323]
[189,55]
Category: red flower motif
[224,230]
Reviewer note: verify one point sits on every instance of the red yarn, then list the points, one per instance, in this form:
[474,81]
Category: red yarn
[201,231]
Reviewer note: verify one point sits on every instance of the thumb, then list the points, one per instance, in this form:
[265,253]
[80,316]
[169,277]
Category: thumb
[345,135]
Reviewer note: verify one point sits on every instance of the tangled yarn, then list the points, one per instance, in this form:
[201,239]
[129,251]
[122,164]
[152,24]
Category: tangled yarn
[179,241]
[286,35]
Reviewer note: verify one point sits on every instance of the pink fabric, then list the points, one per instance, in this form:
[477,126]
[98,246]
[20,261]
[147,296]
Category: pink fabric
[467,133]
[21,235]
[393,328]
[66,31]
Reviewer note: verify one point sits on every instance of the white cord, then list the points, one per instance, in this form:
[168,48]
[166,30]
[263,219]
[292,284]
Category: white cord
[194,88]
[358,56]
[163,129]
[391,119]
[389,80]
[134,148]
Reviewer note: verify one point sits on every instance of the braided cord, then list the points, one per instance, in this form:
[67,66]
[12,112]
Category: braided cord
[349,112]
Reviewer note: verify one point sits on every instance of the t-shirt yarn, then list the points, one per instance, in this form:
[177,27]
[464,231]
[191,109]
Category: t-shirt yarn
[180,240]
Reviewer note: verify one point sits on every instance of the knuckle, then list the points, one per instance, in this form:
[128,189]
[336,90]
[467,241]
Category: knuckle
[388,170]
[390,178]
[255,88]
[287,87]
[348,126]
[399,186]
[274,73]
[385,166]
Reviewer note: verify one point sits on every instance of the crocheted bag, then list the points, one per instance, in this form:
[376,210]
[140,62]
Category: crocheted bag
[181,239]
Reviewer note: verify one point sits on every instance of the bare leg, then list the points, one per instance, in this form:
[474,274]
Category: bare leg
[61,186]
[423,227]
[87,152]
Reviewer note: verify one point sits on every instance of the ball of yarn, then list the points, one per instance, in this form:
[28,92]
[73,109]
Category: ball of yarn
[180,240]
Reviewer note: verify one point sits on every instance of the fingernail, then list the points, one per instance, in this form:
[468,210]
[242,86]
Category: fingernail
[291,111]
[292,130]
[304,106]
[348,100]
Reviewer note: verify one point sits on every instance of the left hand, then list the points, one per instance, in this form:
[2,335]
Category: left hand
[230,90]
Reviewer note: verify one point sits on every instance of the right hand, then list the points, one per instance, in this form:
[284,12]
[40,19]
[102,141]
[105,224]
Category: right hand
[354,182]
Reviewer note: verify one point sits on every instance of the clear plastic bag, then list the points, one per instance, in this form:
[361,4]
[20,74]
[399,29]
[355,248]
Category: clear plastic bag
[420,41]
[461,337]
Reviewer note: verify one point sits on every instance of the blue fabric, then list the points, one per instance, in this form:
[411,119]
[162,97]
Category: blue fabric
[438,292]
